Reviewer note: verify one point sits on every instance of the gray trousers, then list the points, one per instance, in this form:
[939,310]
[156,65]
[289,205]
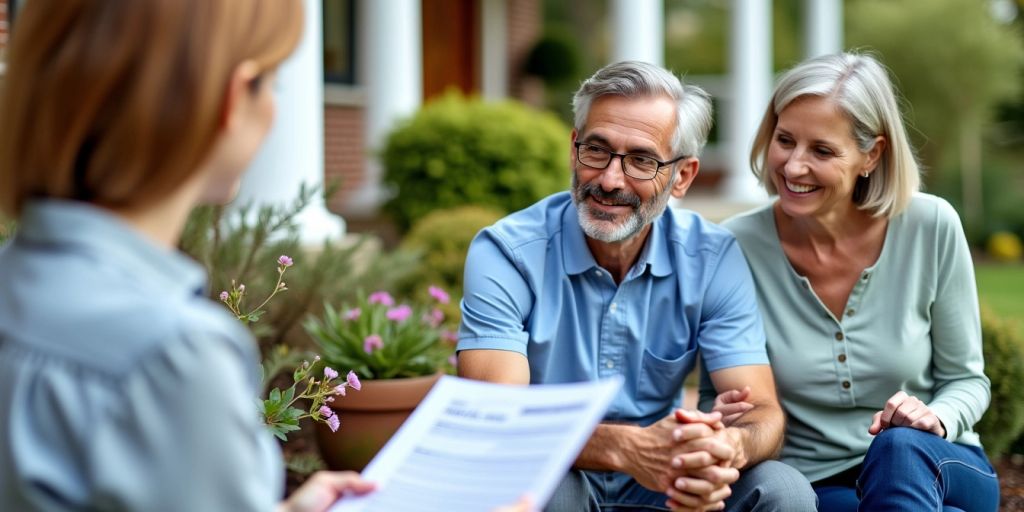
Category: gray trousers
[768,486]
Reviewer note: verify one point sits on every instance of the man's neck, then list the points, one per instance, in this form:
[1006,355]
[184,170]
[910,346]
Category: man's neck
[618,257]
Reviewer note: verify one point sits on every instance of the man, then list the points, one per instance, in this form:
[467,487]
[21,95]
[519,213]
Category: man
[604,280]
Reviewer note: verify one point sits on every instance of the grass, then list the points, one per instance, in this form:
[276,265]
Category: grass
[1001,288]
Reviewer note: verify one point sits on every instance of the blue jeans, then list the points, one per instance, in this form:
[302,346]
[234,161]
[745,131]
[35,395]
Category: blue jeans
[768,486]
[907,469]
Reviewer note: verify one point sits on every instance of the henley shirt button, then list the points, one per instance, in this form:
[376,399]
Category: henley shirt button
[846,384]
[842,358]
[839,336]
[612,307]
[864,276]
[609,364]
[850,312]
[804,284]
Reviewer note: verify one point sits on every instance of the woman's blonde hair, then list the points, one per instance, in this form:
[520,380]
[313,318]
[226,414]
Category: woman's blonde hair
[118,102]
[860,86]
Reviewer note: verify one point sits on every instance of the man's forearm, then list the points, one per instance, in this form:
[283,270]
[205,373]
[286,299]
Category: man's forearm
[603,451]
[761,431]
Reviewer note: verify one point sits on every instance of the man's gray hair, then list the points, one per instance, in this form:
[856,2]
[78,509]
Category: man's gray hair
[634,79]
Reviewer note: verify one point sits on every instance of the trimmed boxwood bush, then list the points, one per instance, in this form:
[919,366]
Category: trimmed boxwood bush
[457,151]
[1004,364]
[442,239]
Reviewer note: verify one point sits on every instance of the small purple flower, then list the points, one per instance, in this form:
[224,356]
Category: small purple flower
[352,314]
[450,336]
[333,422]
[328,399]
[453,360]
[315,358]
[338,390]
[371,343]
[285,261]
[399,314]
[241,288]
[326,412]
[329,373]
[382,298]
[224,296]
[353,380]
[438,294]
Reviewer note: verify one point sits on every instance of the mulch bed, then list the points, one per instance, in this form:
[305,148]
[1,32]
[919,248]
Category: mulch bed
[1011,483]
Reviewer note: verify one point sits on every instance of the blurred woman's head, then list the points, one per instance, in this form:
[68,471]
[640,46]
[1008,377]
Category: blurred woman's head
[120,102]
[859,87]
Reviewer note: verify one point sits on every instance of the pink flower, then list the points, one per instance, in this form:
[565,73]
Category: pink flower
[399,314]
[434,317]
[439,294]
[326,412]
[329,399]
[382,298]
[241,288]
[453,360]
[284,261]
[338,390]
[224,296]
[333,422]
[450,336]
[371,343]
[353,380]
[352,314]
[329,373]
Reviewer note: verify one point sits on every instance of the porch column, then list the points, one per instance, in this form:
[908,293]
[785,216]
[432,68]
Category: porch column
[750,74]
[638,28]
[392,69]
[494,49]
[823,27]
[293,153]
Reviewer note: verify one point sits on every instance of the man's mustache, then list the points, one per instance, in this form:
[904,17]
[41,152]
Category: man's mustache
[616,196]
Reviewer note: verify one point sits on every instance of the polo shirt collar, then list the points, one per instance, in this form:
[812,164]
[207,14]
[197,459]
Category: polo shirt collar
[577,258]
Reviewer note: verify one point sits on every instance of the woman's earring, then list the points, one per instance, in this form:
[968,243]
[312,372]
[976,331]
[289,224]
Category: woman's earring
[866,174]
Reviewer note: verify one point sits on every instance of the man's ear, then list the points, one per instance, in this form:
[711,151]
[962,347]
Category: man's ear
[239,90]
[687,169]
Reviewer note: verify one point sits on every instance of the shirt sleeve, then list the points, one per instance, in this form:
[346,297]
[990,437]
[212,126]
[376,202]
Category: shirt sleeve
[497,299]
[184,434]
[961,388]
[731,330]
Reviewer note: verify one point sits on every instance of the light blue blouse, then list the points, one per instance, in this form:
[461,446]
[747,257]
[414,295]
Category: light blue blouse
[911,323]
[121,386]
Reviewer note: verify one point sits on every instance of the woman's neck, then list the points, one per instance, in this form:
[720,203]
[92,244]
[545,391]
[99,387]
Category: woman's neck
[162,221]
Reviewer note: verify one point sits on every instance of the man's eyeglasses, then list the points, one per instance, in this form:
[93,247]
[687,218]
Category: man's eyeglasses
[638,167]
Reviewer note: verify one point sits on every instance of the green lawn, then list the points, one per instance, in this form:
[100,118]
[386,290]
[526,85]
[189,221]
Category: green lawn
[1001,287]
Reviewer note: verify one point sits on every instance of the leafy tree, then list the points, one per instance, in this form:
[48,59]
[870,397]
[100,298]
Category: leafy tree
[953,63]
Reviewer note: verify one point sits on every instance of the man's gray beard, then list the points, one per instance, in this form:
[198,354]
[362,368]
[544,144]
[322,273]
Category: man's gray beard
[591,221]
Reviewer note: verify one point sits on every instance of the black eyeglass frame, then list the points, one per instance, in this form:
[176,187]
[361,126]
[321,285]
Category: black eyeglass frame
[622,160]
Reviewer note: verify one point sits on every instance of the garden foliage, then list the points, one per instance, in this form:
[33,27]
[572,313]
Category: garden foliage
[463,151]
[1003,423]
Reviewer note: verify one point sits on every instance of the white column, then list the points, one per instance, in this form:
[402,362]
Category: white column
[638,28]
[750,74]
[823,27]
[293,153]
[494,45]
[392,69]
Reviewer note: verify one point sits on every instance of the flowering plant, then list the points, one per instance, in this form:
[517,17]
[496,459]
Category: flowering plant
[278,409]
[381,339]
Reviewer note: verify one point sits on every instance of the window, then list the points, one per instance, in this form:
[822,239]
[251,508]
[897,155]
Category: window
[339,41]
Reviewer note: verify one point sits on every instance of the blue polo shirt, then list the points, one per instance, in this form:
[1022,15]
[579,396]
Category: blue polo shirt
[532,286]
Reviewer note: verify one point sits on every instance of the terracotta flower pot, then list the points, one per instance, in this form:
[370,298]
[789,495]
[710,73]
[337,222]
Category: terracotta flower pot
[369,418]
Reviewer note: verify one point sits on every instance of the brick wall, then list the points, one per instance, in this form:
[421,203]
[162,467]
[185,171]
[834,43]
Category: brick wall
[525,21]
[344,140]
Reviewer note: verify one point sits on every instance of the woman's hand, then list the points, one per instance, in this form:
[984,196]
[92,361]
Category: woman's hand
[732,404]
[903,410]
[323,489]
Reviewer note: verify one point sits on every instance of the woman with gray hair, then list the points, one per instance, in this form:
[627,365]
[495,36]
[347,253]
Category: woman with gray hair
[867,290]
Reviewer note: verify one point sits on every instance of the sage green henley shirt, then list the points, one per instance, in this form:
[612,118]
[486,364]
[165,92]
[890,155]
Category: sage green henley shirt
[911,323]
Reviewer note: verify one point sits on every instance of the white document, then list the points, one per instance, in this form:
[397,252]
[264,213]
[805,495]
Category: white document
[471,446]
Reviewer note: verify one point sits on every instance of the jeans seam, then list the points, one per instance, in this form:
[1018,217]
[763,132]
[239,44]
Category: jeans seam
[945,462]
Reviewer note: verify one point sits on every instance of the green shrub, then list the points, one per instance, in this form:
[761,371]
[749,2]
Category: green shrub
[6,229]
[1004,365]
[442,239]
[554,57]
[457,151]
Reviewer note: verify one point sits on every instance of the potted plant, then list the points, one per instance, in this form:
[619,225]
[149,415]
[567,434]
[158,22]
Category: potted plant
[399,350]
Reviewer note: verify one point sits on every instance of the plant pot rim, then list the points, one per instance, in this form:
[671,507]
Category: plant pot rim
[386,394]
